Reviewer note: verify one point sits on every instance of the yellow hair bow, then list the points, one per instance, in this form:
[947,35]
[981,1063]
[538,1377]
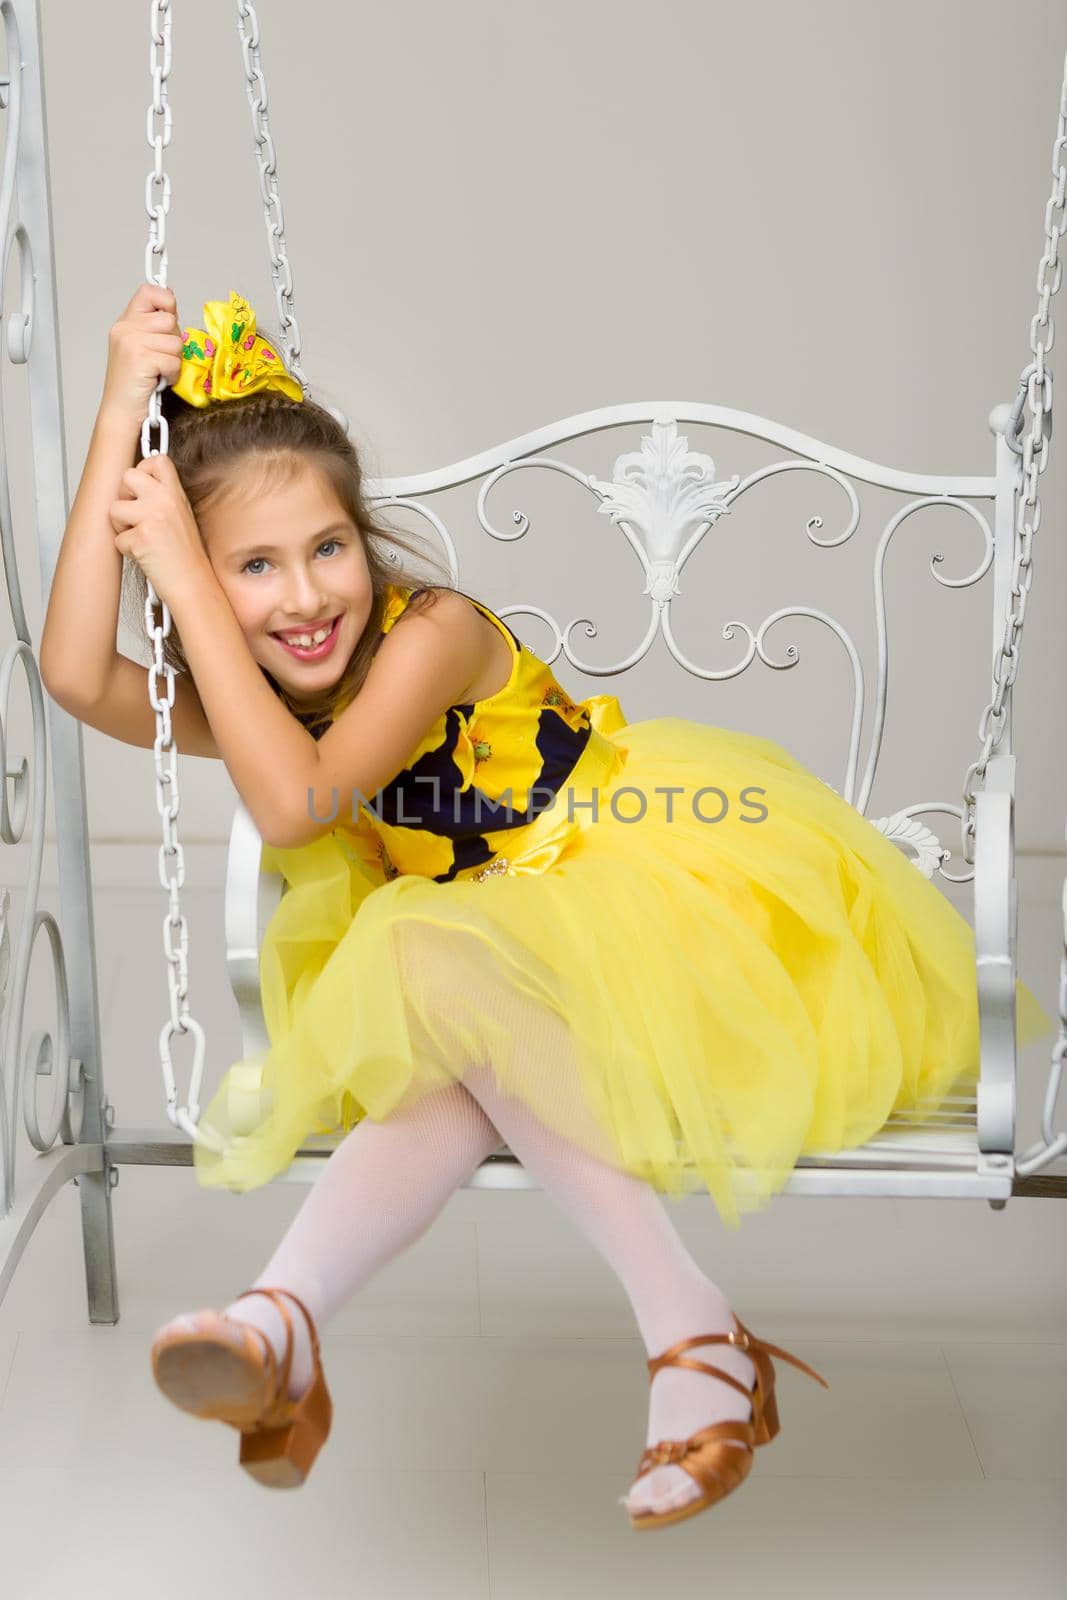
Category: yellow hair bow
[227,358]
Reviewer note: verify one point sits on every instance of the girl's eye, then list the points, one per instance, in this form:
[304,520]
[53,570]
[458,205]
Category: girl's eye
[249,564]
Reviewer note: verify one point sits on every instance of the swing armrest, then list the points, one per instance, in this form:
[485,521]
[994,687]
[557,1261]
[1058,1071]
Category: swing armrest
[996,934]
[252,896]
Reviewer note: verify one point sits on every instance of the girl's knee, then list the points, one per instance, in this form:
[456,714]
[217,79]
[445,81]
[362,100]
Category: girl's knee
[450,1118]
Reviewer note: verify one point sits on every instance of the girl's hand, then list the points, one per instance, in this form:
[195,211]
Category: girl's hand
[144,345]
[155,526]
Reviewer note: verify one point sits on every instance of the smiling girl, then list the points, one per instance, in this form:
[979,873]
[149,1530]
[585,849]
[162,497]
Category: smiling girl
[639,1004]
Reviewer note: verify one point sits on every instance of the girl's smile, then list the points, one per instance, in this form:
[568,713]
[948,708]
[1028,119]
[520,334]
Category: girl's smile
[313,651]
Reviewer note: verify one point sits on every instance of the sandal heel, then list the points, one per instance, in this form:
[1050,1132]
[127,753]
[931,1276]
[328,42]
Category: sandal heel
[279,1450]
[281,1458]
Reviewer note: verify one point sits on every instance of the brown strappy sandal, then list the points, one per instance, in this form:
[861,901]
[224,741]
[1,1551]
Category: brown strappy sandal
[205,1373]
[716,1465]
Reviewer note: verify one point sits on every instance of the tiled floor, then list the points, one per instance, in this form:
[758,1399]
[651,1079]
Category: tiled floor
[490,1389]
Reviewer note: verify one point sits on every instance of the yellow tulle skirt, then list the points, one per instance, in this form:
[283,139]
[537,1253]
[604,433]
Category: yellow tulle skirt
[698,988]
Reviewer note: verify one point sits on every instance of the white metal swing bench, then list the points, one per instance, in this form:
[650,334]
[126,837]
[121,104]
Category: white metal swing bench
[664,498]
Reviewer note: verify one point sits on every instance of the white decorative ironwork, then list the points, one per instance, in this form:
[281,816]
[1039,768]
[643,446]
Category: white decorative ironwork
[665,497]
[903,829]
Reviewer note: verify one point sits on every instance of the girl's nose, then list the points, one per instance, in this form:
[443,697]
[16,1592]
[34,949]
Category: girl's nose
[307,598]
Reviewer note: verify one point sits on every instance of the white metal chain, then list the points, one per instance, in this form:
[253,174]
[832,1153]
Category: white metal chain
[161,673]
[280,271]
[168,800]
[1037,382]
[266,158]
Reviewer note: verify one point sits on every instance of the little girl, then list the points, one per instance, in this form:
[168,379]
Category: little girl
[650,957]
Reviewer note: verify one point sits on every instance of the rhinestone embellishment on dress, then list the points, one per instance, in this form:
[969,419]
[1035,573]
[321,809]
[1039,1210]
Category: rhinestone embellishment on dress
[501,864]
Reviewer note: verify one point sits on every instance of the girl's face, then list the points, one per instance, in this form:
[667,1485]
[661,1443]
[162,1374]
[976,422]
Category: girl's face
[291,562]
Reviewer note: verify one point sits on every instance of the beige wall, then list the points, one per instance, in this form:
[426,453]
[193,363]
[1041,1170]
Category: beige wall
[830,215]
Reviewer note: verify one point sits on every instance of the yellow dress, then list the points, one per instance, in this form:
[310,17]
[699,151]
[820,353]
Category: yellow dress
[682,949]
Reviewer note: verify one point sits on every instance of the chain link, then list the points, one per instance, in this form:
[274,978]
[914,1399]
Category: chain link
[1036,383]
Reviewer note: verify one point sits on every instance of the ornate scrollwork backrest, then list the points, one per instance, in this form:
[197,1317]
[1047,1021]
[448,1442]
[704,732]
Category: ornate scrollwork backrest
[664,498]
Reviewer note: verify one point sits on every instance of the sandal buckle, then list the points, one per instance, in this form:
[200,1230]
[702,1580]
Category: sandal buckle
[668,1450]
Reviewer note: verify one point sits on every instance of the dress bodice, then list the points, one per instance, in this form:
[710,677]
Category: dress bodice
[485,769]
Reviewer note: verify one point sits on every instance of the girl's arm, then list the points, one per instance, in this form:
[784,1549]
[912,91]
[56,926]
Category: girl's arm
[295,788]
[78,642]
[82,668]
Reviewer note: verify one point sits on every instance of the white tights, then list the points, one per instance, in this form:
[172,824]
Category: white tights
[386,1182]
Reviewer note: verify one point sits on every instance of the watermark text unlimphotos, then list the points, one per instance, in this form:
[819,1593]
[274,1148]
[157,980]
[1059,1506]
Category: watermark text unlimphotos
[708,804]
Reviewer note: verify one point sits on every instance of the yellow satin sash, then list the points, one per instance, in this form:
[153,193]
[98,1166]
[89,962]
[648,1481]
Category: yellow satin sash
[535,846]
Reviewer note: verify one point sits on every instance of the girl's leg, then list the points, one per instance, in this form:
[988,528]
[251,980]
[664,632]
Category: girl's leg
[378,1193]
[457,998]
[624,1219]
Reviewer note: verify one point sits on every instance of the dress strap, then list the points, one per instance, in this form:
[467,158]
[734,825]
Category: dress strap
[398,600]
[502,628]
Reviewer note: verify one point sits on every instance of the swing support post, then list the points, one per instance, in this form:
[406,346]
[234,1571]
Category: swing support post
[70,1143]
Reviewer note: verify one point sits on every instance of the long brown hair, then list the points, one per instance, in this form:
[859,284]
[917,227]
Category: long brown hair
[278,434]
